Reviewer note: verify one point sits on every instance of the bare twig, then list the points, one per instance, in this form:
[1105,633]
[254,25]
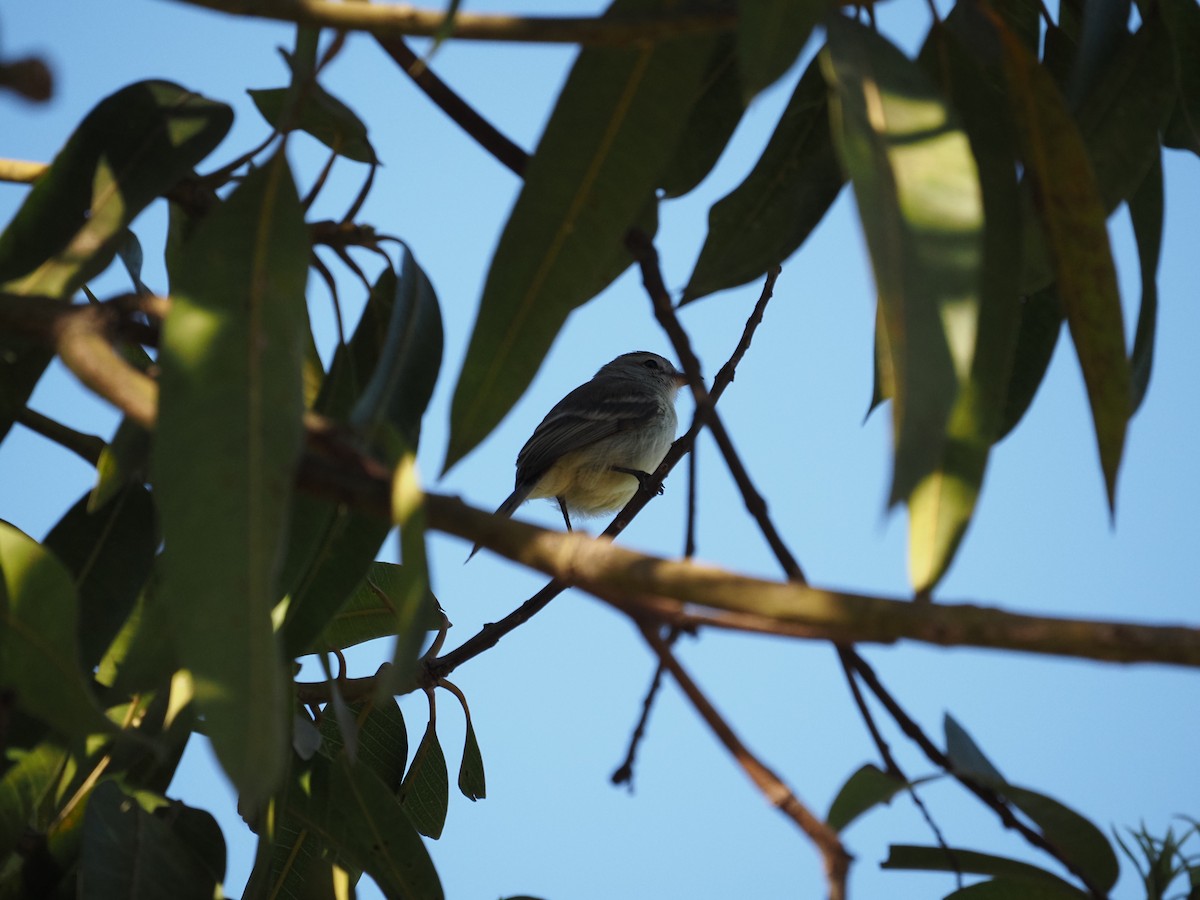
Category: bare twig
[87,446]
[404,19]
[624,772]
[834,855]
[460,112]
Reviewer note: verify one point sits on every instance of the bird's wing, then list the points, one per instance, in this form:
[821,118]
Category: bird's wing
[588,414]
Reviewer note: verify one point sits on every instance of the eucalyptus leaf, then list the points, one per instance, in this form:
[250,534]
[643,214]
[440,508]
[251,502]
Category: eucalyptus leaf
[229,434]
[425,793]
[770,36]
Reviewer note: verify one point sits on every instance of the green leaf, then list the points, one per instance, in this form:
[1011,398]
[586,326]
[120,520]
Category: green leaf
[39,648]
[941,506]
[956,859]
[371,612]
[382,739]
[27,792]
[130,853]
[412,607]
[425,793]
[1015,889]
[142,657]
[109,553]
[772,212]
[966,756]
[1072,213]
[1146,213]
[406,372]
[770,36]
[229,434]
[920,205]
[471,779]
[321,115]
[1041,323]
[123,461]
[1183,27]
[712,122]
[867,788]
[374,833]
[135,145]
[616,124]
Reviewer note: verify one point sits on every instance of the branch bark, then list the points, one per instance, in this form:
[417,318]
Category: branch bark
[405,19]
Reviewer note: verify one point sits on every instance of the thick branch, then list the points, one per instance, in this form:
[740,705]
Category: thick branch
[402,18]
[660,587]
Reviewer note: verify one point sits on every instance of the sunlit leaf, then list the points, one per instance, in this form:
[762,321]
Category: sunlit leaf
[1072,213]
[425,793]
[27,791]
[615,126]
[123,461]
[132,147]
[229,433]
[770,36]
[39,649]
[770,214]
[109,554]
[941,506]
[920,205]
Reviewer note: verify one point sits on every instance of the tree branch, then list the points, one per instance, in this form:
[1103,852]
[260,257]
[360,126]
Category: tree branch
[19,171]
[405,19]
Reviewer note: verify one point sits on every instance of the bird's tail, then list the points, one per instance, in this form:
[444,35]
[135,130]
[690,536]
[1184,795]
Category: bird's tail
[506,509]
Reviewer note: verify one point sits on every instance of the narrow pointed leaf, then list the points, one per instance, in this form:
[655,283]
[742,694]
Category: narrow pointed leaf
[229,433]
[864,790]
[1146,211]
[471,780]
[966,756]
[957,859]
[941,506]
[1072,213]
[1011,888]
[374,834]
[39,649]
[371,612]
[919,202]
[1073,835]
[412,607]
[770,36]
[615,126]
[109,554]
[425,793]
[1183,24]
[772,212]
[321,115]
[132,147]
[712,122]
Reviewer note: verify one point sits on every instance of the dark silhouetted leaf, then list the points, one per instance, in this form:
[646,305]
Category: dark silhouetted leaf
[471,780]
[770,36]
[321,115]
[956,859]
[135,145]
[615,126]
[966,756]
[1072,213]
[770,214]
[382,740]
[130,853]
[919,201]
[109,554]
[425,793]
[1041,322]
[864,790]
[714,117]
[1146,213]
[1016,889]
[371,612]
[374,833]
[229,433]
[27,792]
[39,649]
[1183,26]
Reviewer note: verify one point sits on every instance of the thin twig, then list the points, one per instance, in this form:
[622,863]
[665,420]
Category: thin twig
[646,256]
[836,859]
[483,132]
[20,171]
[86,446]
[624,772]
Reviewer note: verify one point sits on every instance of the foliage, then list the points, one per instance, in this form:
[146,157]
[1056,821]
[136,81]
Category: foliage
[983,174]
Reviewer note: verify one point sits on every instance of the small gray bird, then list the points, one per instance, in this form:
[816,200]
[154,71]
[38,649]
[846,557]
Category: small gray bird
[598,443]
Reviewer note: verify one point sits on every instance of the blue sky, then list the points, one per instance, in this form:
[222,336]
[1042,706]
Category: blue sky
[554,703]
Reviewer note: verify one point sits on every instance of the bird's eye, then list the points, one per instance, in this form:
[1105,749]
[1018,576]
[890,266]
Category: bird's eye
[651,364]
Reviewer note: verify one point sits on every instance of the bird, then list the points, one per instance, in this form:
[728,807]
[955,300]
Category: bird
[599,444]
